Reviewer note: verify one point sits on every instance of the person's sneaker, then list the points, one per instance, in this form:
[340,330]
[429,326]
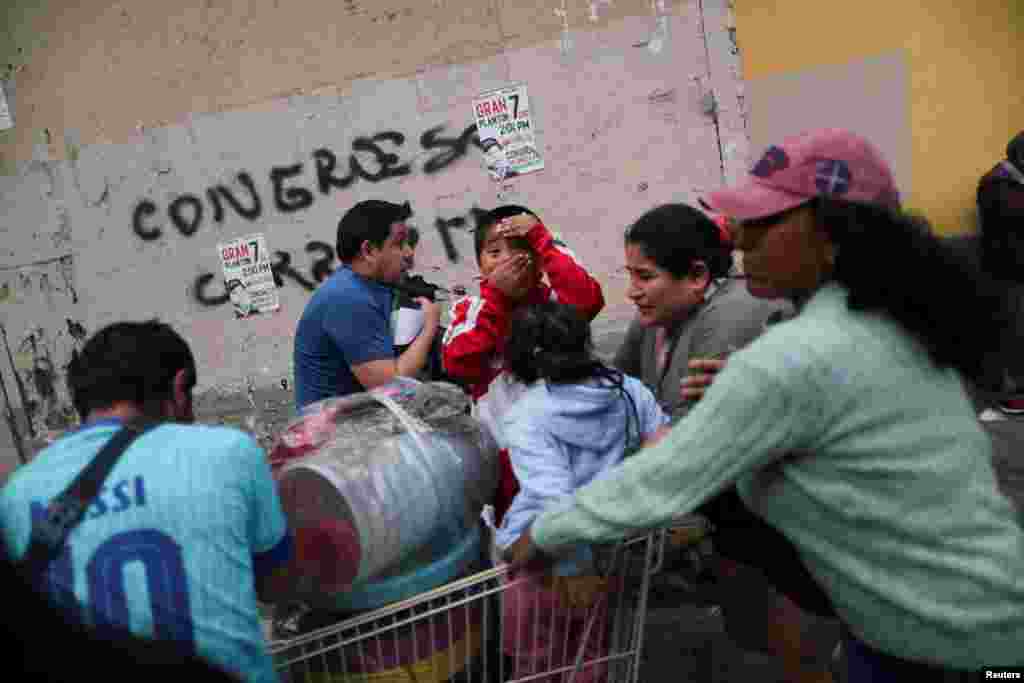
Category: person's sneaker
[1012,406]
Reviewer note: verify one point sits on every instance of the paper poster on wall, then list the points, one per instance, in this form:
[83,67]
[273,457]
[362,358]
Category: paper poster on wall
[248,278]
[6,121]
[504,123]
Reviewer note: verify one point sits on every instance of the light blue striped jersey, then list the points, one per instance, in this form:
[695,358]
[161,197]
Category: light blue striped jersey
[171,547]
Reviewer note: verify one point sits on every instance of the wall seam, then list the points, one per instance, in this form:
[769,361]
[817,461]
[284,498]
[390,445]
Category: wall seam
[711,91]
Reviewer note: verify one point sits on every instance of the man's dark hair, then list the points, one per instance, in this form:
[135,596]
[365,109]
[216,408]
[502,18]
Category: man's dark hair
[368,221]
[129,361]
[490,219]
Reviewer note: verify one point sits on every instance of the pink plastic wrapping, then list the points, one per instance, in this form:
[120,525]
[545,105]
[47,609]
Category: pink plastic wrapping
[368,479]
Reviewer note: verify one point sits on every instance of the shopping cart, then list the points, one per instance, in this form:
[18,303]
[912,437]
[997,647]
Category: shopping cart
[463,632]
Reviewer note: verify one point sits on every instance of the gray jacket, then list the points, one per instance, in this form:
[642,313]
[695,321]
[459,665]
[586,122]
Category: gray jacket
[728,320]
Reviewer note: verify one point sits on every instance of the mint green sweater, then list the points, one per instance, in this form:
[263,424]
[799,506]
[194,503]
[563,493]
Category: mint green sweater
[843,435]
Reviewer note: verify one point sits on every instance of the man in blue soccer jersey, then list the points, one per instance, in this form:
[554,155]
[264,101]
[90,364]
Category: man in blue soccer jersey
[187,531]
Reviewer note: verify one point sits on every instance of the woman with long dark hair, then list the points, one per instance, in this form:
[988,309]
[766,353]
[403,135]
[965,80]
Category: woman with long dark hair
[687,306]
[847,427]
[577,419]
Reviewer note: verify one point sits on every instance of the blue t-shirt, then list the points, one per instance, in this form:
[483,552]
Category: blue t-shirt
[347,322]
[171,546]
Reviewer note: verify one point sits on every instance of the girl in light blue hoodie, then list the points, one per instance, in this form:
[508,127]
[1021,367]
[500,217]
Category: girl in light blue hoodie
[577,419]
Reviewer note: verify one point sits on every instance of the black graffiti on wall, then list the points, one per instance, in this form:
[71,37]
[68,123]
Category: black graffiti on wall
[323,261]
[444,227]
[372,159]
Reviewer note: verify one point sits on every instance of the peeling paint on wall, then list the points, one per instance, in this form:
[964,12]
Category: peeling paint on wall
[6,108]
[45,408]
[77,331]
[659,36]
[594,6]
[38,297]
[66,267]
[18,381]
[62,236]
[565,41]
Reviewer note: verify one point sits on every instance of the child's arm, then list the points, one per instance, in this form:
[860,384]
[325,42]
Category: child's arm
[476,333]
[572,283]
[543,471]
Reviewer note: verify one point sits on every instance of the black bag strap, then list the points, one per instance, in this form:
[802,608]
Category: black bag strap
[67,509]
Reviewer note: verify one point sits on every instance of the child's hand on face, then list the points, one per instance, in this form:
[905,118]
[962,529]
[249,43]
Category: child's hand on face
[513,276]
[517,226]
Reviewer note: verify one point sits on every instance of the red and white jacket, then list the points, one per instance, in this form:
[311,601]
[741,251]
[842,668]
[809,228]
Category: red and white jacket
[475,338]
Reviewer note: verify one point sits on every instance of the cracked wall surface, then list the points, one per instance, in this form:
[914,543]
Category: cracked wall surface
[119,218]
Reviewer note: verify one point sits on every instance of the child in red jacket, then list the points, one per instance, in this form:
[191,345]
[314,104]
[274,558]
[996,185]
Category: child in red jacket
[515,251]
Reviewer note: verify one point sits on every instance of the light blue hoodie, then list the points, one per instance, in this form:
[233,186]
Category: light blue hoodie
[563,436]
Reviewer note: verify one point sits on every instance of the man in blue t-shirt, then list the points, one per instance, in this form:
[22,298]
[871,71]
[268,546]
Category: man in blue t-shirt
[186,532]
[344,343]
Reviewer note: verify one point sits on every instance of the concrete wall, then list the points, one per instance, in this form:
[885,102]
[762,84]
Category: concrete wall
[130,118]
[869,96]
[963,75]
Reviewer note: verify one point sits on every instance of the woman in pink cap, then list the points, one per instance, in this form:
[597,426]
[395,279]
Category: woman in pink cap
[690,306]
[847,427]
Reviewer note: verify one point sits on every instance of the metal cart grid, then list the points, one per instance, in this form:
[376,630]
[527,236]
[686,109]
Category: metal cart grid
[463,632]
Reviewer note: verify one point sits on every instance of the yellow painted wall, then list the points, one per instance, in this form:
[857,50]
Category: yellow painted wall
[966,78]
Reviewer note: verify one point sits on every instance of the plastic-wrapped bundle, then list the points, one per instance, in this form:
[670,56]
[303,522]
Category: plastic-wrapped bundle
[366,480]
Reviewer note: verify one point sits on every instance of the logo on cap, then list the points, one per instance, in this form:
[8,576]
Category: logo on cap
[774,159]
[832,176]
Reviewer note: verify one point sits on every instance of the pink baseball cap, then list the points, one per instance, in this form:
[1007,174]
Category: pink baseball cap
[831,161]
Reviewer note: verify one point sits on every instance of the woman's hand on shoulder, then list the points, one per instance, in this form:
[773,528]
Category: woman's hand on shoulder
[701,376]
